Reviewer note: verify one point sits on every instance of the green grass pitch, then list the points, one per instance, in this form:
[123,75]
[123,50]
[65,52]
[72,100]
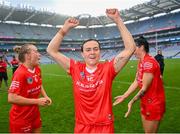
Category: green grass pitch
[59,117]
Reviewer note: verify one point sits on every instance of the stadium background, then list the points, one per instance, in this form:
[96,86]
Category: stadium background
[157,20]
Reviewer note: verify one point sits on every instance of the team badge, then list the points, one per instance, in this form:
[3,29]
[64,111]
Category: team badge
[29,80]
[82,75]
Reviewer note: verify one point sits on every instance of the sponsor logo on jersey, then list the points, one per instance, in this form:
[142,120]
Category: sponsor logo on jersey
[34,90]
[148,65]
[89,87]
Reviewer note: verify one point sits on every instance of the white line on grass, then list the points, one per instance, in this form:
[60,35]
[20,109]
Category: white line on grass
[122,82]
[56,75]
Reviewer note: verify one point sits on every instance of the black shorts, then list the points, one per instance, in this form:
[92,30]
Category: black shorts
[3,75]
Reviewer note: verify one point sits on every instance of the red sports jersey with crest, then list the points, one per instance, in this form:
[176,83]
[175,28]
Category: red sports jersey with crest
[26,83]
[3,66]
[92,93]
[155,92]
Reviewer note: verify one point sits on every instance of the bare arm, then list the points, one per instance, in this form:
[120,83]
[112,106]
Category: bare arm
[130,90]
[54,45]
[19,100]
[147,80]
[43,92]
[122,58]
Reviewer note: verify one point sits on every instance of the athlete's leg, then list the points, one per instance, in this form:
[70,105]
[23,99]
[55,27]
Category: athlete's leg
[37,130]
[150,126]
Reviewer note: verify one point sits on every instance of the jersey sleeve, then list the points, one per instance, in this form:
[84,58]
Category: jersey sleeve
[16,84]
[149,66]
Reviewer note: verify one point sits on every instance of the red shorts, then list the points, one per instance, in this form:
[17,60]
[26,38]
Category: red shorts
[153,111]
[22,126]
[81,128]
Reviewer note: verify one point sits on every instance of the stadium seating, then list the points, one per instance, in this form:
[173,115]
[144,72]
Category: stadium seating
[167,27]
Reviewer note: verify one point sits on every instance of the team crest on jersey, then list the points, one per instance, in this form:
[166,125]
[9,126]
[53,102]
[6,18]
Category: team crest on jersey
[82,75]
[29,80]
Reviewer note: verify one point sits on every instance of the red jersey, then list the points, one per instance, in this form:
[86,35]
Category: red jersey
[155,92]
[3,66]
[14,63]
[26,83]
[92,93]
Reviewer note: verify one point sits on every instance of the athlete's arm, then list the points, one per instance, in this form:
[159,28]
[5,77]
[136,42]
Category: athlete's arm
[130,90]
[43,92]
[54,45]
[122,58]
[20,100]
[146,82]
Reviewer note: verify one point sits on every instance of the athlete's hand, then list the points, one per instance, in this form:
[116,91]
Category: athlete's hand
[113,14]
[129,109]
[48,101]
[119,99]
[16,48]
[70,23]
[42,101]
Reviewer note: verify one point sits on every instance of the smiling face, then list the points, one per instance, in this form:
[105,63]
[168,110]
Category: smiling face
[91,53]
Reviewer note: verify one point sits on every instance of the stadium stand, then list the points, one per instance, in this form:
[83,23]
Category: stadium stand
[163,32]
